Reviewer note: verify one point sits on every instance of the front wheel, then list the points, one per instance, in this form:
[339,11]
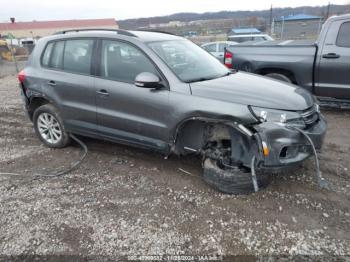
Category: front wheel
[231,180]
[49,127]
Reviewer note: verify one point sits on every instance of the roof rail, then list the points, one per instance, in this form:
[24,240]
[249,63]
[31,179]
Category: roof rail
[155,31]
[118,31]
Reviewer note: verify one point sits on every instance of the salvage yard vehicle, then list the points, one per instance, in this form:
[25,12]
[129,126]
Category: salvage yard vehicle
[217,48]
[322,67]
[163,92]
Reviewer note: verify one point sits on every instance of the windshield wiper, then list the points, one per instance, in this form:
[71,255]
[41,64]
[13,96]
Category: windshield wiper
[200,79]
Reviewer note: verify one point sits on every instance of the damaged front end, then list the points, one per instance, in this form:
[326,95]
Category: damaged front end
[285,144]
[269,146]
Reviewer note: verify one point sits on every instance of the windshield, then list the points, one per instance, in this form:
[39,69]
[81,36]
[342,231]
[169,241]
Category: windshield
[188,61]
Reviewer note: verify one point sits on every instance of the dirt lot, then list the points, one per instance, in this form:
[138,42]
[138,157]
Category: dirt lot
[127,201]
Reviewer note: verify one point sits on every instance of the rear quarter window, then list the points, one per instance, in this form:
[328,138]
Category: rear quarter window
[47,54]
[56,55]
[343,38]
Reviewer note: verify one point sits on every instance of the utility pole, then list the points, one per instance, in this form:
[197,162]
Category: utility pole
[328,9]
[271,20]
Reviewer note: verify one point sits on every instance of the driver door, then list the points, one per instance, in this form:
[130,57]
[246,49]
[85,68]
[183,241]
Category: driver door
[334,62]
[125,112]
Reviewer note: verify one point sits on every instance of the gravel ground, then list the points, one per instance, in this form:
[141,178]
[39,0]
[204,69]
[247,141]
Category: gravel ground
[9,68]
[126,201]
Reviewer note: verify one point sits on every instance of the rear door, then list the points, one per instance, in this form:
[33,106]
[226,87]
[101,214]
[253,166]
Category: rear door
[333,78]
[67,80]
[126,112]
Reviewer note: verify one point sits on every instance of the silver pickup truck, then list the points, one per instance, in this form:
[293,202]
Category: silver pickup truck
[323,67]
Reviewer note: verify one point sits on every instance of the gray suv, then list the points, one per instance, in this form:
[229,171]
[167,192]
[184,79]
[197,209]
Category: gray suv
[162,92]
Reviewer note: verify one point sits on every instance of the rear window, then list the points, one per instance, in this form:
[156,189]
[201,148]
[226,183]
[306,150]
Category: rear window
[242,39]
[210,48]
[343,38]
[222,47]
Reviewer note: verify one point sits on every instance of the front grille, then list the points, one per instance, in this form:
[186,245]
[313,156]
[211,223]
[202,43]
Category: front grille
[310,115]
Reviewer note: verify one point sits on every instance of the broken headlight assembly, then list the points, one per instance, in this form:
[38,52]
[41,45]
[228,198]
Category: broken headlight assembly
[289,118]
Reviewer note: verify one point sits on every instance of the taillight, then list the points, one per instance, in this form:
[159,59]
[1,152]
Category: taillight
[21,76]
[228,59]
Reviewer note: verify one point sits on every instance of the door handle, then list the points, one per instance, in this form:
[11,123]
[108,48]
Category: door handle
[102,92]
[331,56]
[51,83]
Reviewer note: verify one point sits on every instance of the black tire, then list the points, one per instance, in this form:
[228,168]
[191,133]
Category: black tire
[280,77]
[247,67]
[64,139]
[232,181]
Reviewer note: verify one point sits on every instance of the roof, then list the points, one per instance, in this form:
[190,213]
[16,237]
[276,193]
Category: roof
[143,36]
[245,31]
[298,17]
[220,42]
[57,24]
[148,36]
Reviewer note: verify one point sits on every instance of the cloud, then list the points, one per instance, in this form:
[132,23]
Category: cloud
[77,9]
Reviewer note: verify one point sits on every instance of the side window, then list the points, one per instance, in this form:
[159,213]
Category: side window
[343,38]
[77,56]
[47,53]
[259,38]
[56,55]
[210,48]
[53,55]
[222,47]
[123,62]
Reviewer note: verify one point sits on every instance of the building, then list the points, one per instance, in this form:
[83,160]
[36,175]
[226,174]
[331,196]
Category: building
[301,26]
[37,29]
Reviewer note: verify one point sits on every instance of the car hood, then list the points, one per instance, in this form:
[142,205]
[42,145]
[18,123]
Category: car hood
[249,89]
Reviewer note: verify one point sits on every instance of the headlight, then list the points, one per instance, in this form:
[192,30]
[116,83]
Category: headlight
[278,116]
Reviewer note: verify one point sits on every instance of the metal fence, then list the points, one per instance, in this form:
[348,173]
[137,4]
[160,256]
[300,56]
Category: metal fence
[13,56]
[296,30]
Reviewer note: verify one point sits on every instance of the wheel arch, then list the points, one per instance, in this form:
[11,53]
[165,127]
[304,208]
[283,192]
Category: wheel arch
[35,102]
[286,72]
[192,133]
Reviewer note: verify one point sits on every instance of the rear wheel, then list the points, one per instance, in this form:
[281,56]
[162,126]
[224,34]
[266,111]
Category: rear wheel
[280,77]
[49,127]
[231,180]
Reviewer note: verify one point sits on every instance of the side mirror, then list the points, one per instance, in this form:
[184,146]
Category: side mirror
[147,80]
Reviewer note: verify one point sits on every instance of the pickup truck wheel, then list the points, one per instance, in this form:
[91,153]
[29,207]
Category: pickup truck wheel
[49,127]
[279,77]
[232,181]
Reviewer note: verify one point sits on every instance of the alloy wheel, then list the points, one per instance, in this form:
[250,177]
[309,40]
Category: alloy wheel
[49,128]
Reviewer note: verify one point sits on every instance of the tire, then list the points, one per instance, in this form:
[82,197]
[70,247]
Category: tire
[280,77]
[247,67]
[231,181]
[47,117]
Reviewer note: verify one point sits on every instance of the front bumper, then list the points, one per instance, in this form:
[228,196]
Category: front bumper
[288,147]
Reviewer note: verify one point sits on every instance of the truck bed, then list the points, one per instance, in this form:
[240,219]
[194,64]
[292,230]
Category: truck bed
[288,43]
[291,56]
